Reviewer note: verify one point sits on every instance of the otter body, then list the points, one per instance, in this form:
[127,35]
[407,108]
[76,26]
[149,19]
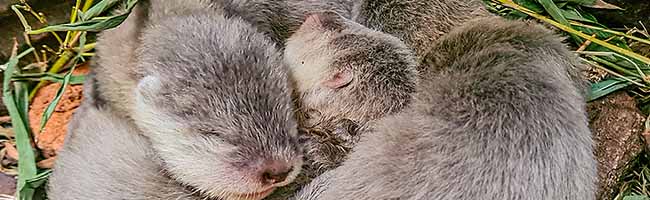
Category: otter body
[419,23]
[104,157]
[279,19]
[501,115]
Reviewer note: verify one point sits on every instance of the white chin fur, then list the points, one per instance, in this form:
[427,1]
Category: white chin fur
[197,167]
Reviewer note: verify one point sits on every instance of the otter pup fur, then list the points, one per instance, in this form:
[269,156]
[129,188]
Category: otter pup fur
[345,76]
[104,157]
[279,19]
[212,97]
[419,23]
[501,115]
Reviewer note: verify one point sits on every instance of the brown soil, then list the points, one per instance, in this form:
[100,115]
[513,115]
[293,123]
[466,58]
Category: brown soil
[50,139]
[616,123]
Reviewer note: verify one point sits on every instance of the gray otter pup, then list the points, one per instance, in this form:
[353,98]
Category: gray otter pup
[215,103]
[499,117]
[105,158]
[344,73]
[417,22]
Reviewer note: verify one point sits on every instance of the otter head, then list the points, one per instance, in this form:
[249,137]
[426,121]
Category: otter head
[214,101]
[342,69]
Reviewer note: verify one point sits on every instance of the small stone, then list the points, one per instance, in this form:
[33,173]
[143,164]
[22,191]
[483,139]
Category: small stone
[616,124]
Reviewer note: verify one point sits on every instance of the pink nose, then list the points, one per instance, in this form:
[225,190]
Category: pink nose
[275,171]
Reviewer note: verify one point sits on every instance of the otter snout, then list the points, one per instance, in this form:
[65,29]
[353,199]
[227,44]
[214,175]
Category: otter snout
[274,171]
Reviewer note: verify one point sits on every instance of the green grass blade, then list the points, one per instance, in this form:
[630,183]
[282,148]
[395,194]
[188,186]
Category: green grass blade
[556,13]
[26,161]
[95,24]
[615,66]
[90,25]
[636,197]
[531,4]
[646,41]
[99,8]
[580,2]
[22,99]
[82,43]
[39,179]
[50,108]
[573,14]
[74,79]
[568,29]
[606,87]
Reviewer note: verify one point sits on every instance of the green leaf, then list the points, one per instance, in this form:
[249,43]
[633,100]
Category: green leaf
[82,43]
[636,197]
[90,25]
[590,17]
[39,179]
[22,100]
[606,87]
[579,2]
[573,14]
[530,4]
[556,13]
[74,79]
[26,160]
[99,8]
[50,108]
[95,24]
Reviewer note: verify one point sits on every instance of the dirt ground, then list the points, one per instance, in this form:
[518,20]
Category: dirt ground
[50,139]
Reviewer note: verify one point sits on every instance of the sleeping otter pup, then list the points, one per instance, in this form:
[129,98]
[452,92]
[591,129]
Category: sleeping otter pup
[213,101]
[345,76]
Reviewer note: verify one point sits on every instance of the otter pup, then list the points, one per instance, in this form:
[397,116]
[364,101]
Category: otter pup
[499,116]
[214,103]
[345,76]
[417,22]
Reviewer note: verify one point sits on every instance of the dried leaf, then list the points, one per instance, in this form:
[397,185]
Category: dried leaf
[47,163]
[12,152]
[603,5]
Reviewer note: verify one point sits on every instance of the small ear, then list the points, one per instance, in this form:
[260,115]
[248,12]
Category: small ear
[338,79]
[148,85]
